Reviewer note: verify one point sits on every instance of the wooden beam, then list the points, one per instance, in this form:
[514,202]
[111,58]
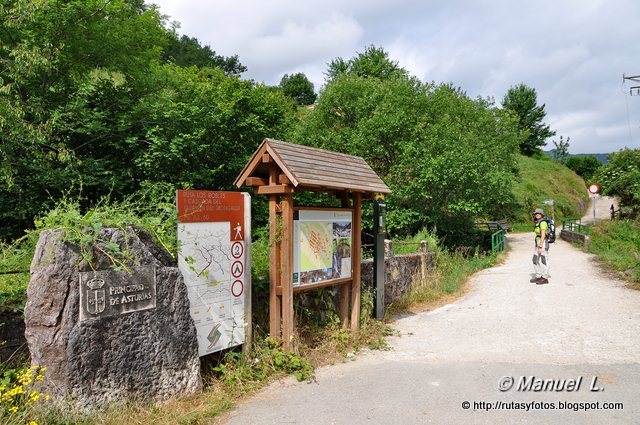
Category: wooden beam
[266,158]
[275,309]
[311,286]
[284,179]
[345,290]
[286,277]
[252,165]
[272,190]
[355,258]
[256,181]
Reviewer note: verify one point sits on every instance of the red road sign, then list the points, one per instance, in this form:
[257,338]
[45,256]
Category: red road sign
[594,188]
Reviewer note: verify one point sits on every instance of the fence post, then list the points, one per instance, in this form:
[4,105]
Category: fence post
[423,261]
[388,248]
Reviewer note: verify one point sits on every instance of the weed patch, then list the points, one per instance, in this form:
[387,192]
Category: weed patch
[446,279]
[617,243]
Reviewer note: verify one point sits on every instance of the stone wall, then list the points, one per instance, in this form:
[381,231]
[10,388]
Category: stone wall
[572,237]
[401,273]
[110,335]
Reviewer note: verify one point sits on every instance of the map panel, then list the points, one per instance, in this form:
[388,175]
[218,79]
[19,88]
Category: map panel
[212,261]
[322,246]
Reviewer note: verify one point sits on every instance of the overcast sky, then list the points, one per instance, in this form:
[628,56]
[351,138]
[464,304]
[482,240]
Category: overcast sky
[573,53]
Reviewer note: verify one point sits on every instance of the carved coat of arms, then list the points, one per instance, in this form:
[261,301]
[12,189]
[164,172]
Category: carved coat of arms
[96,297]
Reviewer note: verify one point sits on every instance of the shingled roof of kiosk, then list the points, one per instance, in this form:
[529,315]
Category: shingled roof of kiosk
[308,168]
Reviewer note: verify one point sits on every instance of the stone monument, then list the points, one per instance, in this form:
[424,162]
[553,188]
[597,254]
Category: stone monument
[108,335]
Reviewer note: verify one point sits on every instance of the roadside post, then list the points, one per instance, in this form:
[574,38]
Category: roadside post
[553,209]
[379,231]
[594,193]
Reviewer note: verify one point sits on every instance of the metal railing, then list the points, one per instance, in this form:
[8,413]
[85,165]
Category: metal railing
[497,240]
[575,225]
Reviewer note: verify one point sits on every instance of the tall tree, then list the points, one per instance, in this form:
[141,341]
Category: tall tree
[187,51]
[561,151]
[446,158]
[299,88]
[523,102]
[584,166]
[373,62]
[50,52]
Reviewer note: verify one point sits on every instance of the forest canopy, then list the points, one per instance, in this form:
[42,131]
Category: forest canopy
[103,98]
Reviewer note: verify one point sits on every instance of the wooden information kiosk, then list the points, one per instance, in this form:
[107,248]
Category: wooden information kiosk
[311,247]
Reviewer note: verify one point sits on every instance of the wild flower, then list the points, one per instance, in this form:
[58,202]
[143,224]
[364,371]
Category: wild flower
[20,392]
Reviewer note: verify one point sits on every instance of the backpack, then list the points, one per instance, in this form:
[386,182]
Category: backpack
[551,233]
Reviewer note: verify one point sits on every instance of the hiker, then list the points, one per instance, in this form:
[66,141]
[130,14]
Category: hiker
[541,250]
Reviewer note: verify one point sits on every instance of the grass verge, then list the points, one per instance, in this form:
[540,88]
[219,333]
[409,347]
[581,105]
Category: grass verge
[617,244]
[445,282]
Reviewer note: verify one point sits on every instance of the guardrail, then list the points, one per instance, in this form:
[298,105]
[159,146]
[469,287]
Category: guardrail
[575,225]
[497,240]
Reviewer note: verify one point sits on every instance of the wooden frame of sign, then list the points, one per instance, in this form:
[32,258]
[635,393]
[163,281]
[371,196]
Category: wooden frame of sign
[279,170]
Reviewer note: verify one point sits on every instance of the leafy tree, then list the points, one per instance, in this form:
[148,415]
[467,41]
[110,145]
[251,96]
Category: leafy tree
[48,51]
[584,166]
[299,88]
[363,116]
[461,164]
[621,178]
[447,158]
[85,101]
[523,102]
[202,127]
[187,51]
[561,152]
[373,62]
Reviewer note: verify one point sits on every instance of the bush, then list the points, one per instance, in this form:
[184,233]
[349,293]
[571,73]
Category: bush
[618,244]
[621,178]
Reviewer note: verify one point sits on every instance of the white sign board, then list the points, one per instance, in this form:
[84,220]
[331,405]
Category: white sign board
[214,239]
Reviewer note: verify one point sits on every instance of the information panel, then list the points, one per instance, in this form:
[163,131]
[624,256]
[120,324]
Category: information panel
[213,261]
[321,246]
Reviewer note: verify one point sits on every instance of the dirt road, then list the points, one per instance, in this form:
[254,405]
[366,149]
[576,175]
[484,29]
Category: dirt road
[602,209]
[583,326]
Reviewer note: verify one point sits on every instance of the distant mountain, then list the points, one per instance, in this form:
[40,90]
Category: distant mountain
[603,157]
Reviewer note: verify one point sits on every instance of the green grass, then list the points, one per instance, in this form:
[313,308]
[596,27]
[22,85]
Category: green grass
[542,179]
[617,243]
[13,288]
[15,260]
[413,243]
[446,279]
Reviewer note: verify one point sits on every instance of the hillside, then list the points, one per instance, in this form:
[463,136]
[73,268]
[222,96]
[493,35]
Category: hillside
[543,179]
[602,157]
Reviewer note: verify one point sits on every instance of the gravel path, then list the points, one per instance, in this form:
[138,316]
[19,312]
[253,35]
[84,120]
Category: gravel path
[584,324]
[603,211]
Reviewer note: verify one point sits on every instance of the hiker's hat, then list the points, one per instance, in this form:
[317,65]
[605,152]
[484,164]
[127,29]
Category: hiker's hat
[538,211]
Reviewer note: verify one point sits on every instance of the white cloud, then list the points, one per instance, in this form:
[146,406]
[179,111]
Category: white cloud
[298,44]
[572,52]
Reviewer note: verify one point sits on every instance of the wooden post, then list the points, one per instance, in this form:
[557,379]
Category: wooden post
[274,268]
[345,289]
[355,258]
[286,268]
